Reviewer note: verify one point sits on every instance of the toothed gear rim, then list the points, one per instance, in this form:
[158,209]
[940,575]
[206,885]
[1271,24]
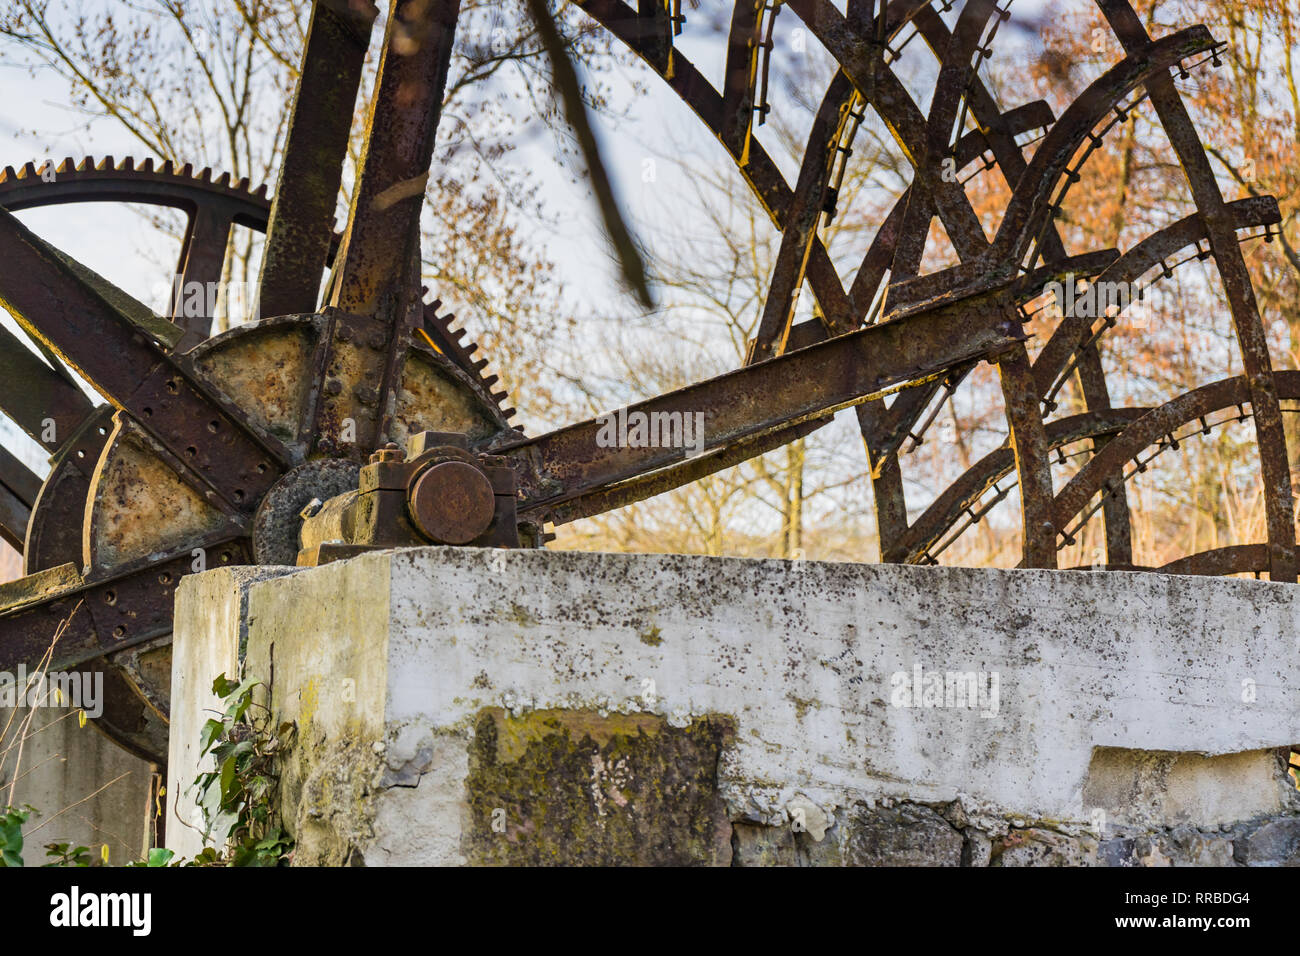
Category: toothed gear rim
[164,184]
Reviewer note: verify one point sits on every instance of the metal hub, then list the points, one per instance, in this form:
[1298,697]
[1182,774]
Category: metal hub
[279,516]
[452,502]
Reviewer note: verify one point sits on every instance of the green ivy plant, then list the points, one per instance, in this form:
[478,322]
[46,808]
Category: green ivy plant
[11,834]
[12,820]
[238,798]
[65,854]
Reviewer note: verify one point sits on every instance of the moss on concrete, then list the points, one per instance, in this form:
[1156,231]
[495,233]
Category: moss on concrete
[571,787]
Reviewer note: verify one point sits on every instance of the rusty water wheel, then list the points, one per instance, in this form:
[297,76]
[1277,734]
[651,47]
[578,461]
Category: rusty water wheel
[205,446]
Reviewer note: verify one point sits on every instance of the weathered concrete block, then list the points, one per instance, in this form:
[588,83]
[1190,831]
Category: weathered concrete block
[1145,788]
[217,609]
[432,687]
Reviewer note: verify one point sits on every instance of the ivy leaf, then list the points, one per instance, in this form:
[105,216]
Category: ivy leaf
[222,686]
[227,779]
[212,731]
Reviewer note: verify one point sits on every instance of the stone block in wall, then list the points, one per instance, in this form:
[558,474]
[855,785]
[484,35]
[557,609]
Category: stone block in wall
[903,835]
[1040,847]
[1272,843]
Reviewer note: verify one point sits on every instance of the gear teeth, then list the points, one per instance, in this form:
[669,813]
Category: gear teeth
[460,353]
[89,166]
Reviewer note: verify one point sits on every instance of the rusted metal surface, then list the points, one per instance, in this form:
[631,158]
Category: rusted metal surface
[54,534]
[745,404]
[275,526]
[1029,443]
[380,250]
[223,457]
[961,499]
[256,446]
[949,95]
[436,490]
[302,217]
[163,185]
[1279,504]
[451,502]
[19,487]
[1234,559]
[212,207]
[37,399]
[805,211]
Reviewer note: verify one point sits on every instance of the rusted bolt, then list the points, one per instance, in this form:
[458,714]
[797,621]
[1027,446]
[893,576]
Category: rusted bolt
[333,386]
[452,502]
[365,394]
[390,452]
[343,334]
[378,341]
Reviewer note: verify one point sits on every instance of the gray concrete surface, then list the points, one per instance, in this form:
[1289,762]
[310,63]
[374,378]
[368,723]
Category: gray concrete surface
[1072,709]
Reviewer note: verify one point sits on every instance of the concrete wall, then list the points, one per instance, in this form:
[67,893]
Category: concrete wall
[458,705]
[62,767]
[88,791]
